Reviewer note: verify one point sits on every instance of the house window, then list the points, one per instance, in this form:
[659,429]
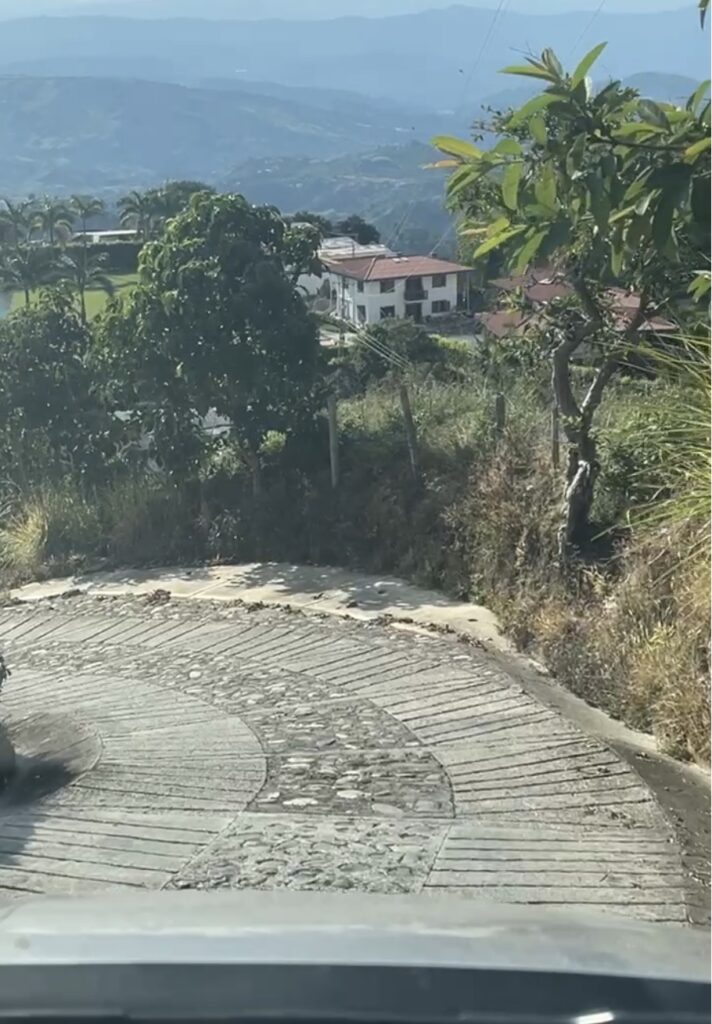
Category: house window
[388,312]
[359,286]
[387,287]
[441,306]
[439,280]
[361,313]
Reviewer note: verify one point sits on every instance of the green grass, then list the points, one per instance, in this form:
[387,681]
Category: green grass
[96,299]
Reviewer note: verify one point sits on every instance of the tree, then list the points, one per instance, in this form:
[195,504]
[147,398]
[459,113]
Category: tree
[138,210]
[215,323]
[323,224]
[175,196]
[86,208]
[28,268]
[16,220]
[56,218]
[83,271]
[610,188]
[50,418]
[359,229]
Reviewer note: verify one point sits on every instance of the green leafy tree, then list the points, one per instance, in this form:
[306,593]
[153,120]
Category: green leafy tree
[138,210]
[215,323]
[359,229]
[27,268]
[51,421]
[55,218]
[175,196]
[86,208]
[323,224]
[16,220]
[608,187]
[83,271]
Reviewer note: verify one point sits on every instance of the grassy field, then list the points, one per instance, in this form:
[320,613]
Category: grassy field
[95,298]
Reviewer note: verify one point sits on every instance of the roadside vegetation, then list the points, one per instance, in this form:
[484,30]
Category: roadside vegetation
[598,564]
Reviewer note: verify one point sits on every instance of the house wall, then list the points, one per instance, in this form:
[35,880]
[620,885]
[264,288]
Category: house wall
[349,298]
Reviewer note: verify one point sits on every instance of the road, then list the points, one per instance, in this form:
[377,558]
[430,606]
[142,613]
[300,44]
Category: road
[186,744]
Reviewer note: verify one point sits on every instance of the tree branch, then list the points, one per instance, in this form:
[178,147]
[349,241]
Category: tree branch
[595,393]
[561,384]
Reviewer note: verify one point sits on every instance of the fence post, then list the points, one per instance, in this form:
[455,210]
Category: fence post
[333,441]
[555,446]
[500,415]
[410,435]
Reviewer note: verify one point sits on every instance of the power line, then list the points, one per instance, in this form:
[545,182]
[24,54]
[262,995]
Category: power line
[485,42]
[588,26]
[502,6]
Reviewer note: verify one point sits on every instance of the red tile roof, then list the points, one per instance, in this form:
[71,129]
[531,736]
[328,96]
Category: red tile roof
[391,268]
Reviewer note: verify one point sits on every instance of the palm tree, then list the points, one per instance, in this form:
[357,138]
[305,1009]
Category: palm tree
[17,219]
[56,218]
[83,271]
[138,210]
[86,207]
[27,268]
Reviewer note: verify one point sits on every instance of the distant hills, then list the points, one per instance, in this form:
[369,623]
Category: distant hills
[62,134]
[66,134]
[442,59]
[391,186]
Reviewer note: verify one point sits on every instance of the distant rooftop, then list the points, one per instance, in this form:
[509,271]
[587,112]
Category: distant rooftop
[343,247]
[391,268]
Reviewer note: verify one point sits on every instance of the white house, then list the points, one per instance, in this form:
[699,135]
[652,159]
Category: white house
[339,248]
[369,289]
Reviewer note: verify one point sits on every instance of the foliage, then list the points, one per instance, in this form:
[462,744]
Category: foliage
[86,207]
[394,346]
[27,268]
[356,227]
[609,188]
[117,257]
[51,422]
[55,218]
[215,323]
[596,180]
[83,271]
[15,221]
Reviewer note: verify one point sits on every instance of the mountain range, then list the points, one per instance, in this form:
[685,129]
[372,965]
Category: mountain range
[436,59]
[330,115]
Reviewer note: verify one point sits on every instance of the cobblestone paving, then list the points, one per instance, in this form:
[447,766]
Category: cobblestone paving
[185,746]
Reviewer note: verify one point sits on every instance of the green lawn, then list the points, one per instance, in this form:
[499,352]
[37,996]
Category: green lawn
[95,298]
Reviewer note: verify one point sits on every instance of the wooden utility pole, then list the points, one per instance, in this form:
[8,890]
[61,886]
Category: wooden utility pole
[333,441]
[410,434]
[555,445]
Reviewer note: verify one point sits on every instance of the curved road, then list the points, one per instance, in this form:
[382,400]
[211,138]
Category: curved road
[185,745]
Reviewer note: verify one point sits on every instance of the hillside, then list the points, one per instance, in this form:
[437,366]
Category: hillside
[59,134]
[439,59]
[390,186]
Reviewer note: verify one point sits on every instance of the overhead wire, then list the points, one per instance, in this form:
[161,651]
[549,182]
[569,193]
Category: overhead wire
[496,15]
[589,25]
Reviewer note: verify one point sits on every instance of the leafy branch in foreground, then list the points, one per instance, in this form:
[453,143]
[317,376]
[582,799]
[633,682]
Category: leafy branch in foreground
[607,188]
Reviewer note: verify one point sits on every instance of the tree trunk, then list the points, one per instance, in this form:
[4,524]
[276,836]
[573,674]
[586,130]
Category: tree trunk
[582,467]
[253,461]
[581,475]
[83,304]
[27,298]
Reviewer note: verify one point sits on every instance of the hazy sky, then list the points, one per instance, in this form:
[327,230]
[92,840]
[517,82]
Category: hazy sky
[333,8]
